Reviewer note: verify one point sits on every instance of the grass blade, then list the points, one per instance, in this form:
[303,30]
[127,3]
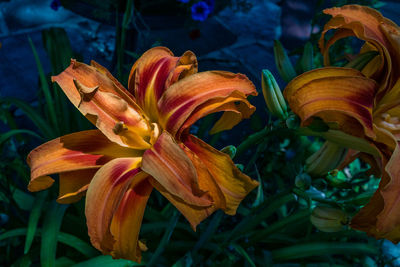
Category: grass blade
[320,249]
[33,219]
[45,88]
[243,252]
[165,239]
[33,115]
[5,136]
[51,227]
[107,261]
[78,244]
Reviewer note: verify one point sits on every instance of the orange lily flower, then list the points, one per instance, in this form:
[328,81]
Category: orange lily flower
[364,104]
[143,142]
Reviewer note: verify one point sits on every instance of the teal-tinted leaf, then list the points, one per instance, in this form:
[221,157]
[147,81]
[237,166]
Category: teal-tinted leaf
[33,115]
[107,261]
[50,230]
[64,262]
[78,244]
[34,218]
[243,252]
[13,233]
[5,136]
[45,88]
[260,191]
[212,227]
[24,200]
[165,239]
[319,249]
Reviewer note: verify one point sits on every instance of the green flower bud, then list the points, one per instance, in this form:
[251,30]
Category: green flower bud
[230,150]
[326,159]
[303,181]
[293,121]
[328,219]
[283,64]
[273,95]
[362,60]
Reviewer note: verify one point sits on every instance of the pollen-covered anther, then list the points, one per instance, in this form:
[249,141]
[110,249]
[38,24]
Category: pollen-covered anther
[119,127]
[388,122]
[85,92]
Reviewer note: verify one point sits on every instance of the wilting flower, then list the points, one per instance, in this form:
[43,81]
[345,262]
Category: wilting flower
[200,11]
[364,104]
[143,141]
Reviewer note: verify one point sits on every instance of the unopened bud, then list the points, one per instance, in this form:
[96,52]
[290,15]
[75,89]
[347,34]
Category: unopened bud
[328,219]
[303,181]
[273,96]
[326,159]
[230,150]
[283,64]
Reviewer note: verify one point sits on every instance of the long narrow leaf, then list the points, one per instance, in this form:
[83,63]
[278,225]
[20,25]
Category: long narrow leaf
[5,136]
[107,261]
[45,88]
[243,252]
[78,244]
[51,227]
[33,115]
[319,249]
[34,218]
[165,239]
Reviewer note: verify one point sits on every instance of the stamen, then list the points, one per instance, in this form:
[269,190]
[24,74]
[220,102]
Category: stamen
[119,127]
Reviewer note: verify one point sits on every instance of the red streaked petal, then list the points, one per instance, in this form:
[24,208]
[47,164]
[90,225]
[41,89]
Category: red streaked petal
[72,152]
[105,103]
[234,184]
[337,95]
[126,222]
[235,108]
[154,72]
[183,97]
[103,197]
[73,185]
[171,167]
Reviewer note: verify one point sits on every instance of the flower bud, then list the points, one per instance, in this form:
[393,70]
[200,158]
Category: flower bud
[303,181]
[283,64]
[230,150]
[328,219]
[326,159]
[273,95]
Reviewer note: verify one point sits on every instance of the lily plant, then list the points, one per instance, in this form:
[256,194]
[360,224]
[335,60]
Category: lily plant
[142,142]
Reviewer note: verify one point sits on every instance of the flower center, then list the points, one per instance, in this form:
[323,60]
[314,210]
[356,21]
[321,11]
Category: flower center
[391,123]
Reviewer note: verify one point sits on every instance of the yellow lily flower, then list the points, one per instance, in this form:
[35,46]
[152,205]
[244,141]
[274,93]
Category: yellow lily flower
[143,142]
[364,104]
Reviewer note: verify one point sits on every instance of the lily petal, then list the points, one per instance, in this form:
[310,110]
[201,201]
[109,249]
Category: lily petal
[103,196]
[369,25]
[182,98]
[106,104]
[73,185]
[171,167]
[234,184]
[155,71]
[335,95]
[126,222]
[72,152]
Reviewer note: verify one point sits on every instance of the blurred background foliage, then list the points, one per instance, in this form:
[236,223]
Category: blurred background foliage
[273,224]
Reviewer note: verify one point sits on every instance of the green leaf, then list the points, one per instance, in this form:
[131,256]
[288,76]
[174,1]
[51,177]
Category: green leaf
[107,261]
[24,200]
[34,218]
[45,88]
[212,227]
[78,244]
[243,252]
[5,136]
[51,227]
[33,115]
[164,240]
[321,248]
[307,59]
[291,220]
